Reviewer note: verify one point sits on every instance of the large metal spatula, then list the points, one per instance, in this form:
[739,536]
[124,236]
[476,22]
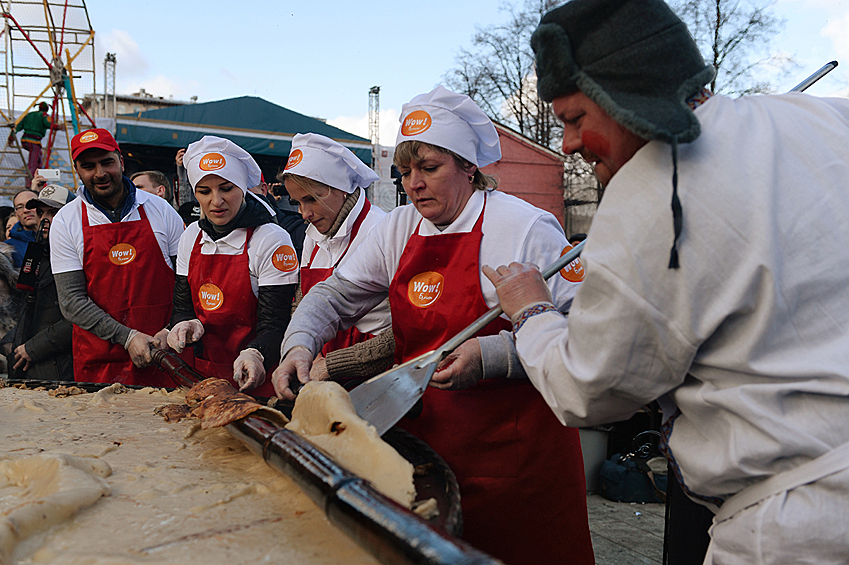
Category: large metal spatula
[384,399]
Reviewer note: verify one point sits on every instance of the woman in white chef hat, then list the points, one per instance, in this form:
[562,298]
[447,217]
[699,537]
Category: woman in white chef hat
[237,271]
[327,182]
[520,471]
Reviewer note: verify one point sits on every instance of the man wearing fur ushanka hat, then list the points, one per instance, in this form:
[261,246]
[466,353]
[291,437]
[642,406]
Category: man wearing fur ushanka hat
[744,339]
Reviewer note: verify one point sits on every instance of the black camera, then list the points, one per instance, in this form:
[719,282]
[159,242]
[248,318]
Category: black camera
[400,195]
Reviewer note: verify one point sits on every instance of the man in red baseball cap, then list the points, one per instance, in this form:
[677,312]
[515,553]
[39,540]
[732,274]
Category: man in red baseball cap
[112,252]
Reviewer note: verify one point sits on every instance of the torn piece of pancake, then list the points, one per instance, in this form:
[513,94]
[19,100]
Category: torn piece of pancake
[62,391]
[173,412]
[49,489]
[325,416]
[217,403]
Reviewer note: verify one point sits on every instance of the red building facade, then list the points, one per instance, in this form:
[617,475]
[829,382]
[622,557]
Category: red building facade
[529,171]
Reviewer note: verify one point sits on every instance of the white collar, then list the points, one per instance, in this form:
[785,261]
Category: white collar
[464,222]
[235,239]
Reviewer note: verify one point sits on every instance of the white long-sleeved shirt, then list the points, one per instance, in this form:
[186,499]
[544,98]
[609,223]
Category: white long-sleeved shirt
[749,339]
[513,230]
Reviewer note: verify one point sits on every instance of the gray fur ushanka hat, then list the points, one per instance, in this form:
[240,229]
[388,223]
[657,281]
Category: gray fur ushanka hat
[634,58]
[637,61]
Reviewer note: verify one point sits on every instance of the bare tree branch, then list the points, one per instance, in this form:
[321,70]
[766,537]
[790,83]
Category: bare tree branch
[734,36]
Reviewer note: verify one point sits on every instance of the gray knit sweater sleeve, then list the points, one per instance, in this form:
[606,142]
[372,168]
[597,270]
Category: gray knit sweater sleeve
[337,303]
[362,360]
[79,309]
[500,358]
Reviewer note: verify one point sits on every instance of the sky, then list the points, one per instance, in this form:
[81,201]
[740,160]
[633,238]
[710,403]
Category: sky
[320,58]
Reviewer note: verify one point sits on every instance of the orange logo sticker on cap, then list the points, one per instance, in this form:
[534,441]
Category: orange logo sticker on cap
[294,158]
[425,288]
[574,271]
[415,123]
[212,162]
[284,259]
[88,137]
[122,254]
[210,297]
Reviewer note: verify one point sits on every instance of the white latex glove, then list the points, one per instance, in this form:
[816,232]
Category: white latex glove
[248,369]
[162,338]
[461,369]
[139,346]
[184,333]
[518,285]
[294,367]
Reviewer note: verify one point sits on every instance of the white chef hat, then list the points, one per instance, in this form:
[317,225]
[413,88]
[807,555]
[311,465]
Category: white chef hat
[321,159]
[218,156]
[451,121]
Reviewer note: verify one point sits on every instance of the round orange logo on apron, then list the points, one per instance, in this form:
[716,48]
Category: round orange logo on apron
[574,271]
[212,162]
[425,289]
[285,259]
[294,158]
[415,123]
[122,254]
[211,297]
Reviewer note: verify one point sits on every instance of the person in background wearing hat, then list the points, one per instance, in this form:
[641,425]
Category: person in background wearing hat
[237,271]
[481,414]
[22,234]
[42,339]
[112,253]
[290,221]
[189,212]
[327,182]
[741,333]
[35,124]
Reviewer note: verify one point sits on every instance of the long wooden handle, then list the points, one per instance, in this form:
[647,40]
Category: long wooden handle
[179,371]
[496,311]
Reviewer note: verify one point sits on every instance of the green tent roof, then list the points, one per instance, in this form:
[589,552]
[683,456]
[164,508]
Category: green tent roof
[257,125]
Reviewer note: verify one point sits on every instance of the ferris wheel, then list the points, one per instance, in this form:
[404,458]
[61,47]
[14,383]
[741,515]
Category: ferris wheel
[47,56]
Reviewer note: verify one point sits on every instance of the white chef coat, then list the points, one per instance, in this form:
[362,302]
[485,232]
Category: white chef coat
[749,339]
[268,240]
[330,249]
[66,232]
[513,231]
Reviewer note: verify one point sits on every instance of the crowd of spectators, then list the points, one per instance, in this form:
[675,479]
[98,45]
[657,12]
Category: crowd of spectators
[35,338]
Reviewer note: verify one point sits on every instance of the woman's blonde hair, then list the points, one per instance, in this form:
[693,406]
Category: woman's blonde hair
[408,152]
[312,187]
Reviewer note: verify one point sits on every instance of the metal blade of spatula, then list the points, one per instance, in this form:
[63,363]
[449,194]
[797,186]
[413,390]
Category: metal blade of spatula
[385,398]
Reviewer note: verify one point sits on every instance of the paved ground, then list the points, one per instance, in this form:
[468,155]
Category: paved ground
[626,533]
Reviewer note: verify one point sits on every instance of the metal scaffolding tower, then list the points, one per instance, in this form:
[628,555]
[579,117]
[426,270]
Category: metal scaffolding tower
[374,127]
[47,55]
[109,109]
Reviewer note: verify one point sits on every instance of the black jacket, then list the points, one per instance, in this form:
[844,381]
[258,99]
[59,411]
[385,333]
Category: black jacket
[46,333]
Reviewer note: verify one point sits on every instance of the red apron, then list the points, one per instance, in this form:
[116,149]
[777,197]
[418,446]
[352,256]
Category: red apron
[520,471]
[225,304]
[128,278]
[311,277]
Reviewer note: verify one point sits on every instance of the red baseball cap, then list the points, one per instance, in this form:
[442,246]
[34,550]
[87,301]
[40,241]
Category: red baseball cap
[97,138]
